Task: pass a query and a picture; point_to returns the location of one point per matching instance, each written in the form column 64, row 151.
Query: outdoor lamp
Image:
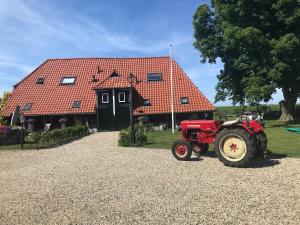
column 22, row 119
column 131, row 78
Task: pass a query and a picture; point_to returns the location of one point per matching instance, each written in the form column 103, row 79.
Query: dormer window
column 68, row 80
column 27, row 106
column 114, row 74
column 154, row 77
column 184, row 100
column 76, row 104
column 40, row 80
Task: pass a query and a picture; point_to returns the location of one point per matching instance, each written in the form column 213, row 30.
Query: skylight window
column 184, row 100
column 40, row 80
column 146, row 102
column 68, row 80
column 154, row 77
column 76, row 104
column 27, row 106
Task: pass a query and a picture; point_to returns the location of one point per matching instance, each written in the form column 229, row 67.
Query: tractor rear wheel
column 235, row 147
column 182, row 150
column 262, row 143
column 200, row 148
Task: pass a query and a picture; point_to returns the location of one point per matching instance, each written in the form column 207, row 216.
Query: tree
column 259, row 44
column 3, row 103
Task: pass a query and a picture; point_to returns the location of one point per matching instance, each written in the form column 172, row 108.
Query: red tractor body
column 202, row 131
column 236, row 142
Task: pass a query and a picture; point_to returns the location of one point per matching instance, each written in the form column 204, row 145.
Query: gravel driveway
column 92, row 181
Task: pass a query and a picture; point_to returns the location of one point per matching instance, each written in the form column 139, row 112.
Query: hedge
column 59, row 136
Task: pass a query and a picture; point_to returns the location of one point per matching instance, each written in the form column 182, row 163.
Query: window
column 154, row 77
column 146, row 102
column 105, row 98
column 76, row 104
column 68, row 80
column 27, row 106
column 184, row 100
column 40, row 80
column 121, row 97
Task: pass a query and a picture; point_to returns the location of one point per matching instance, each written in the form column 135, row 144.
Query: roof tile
column 51, row 98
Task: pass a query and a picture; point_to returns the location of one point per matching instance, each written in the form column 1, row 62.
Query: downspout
column 114, row 102
column 97, row 113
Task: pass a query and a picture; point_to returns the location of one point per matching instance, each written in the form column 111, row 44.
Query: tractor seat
column 231, row 122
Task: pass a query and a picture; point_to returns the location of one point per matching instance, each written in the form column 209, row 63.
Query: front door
column 113, row 109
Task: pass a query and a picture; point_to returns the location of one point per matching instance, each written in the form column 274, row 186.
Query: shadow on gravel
column 266, row 162
column 211, row 154
column 195, row 159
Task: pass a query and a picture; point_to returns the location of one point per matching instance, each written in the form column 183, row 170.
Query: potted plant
column 63, row 122
column 30, row 123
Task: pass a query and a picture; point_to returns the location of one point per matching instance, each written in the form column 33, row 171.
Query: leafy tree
column 3, row 101
column 259, row 44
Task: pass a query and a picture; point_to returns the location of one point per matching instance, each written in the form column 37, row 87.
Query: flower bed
column 9, row 136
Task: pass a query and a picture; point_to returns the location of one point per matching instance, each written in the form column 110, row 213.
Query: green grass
column 280, row 141
column 17, row 147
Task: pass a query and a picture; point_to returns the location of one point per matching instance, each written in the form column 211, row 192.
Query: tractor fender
column 235, row 126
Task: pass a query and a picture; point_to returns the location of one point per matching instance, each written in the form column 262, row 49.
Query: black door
column 113, row 109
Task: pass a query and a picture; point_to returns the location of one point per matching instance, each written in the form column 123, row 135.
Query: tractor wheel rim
column 233, row 147
column 181, row 150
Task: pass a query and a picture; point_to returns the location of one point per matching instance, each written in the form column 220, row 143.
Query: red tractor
column 236, row 143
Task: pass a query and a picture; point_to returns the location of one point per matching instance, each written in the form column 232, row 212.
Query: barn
column 98, row 92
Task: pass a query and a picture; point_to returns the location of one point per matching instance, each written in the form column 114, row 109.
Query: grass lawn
column 17, row 147
column 280, row 141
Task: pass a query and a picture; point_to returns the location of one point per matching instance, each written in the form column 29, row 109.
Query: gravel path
column 92, row 181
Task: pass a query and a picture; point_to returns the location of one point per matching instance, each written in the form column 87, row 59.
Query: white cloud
column 48, row 27
column 15, row 63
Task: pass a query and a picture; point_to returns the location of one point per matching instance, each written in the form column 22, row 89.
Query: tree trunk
column 288, row 105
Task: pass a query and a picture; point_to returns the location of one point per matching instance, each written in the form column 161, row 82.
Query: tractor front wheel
column 182, row 150
column 235, row 147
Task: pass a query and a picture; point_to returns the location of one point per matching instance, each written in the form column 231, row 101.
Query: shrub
column 58, row 136
column 124, row 138
column 2, row 121
column 140, row 136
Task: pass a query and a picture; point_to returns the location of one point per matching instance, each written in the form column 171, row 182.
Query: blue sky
column 32, row 31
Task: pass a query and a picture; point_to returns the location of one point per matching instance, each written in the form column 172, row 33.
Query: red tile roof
column 52, row 98
column 113, row 82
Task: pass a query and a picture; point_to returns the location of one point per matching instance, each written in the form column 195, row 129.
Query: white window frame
column 107, row 95
column 184, row 100
column 119, row 96
column 68, row 80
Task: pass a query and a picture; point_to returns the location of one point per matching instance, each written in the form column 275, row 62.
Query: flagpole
column 172, row 90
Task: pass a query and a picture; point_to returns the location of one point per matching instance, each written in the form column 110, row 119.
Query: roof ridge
column 76, row 58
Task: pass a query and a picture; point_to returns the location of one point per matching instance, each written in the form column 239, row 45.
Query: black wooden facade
column 113, row 108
